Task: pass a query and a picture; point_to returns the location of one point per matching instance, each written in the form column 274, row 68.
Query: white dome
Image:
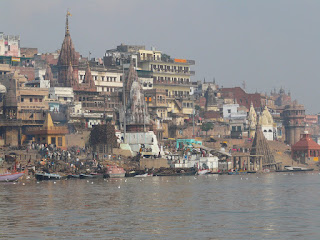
column 3, row 89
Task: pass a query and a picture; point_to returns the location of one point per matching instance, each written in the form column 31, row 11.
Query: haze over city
column 267, row 44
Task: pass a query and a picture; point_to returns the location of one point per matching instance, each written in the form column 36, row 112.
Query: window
column 31, row 100
column 40, row 99
column 59, row 141
column 22, row 99
column 229, row 110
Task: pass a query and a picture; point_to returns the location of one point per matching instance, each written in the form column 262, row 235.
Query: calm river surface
column 258, row 206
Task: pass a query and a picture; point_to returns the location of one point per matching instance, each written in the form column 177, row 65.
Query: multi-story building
column 9, row 45
column 172, row 75
column 106, row 80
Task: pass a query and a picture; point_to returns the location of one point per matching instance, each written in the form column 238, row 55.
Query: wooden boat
column 181, row 173
column 10, row 177
column 71, row 176
column 91, row 175
column 115, row 172
column 144, row 175
column 237, row 172
column 47, row 176
column 295, row 169
column 203, row 172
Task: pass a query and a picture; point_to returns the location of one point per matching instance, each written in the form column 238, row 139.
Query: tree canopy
column 103, row 134
column 207, row 126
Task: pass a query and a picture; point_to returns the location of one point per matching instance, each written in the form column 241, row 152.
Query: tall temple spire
column 67, row 23
column 131, row 77
column 67, row 55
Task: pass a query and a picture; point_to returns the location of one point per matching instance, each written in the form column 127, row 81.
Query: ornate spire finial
column 67, row 22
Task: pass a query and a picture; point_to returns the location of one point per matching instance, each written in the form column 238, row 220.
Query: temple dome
column 252, row 117
column 266, row 118
column 3, row 89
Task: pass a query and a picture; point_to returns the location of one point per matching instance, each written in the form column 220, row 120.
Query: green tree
column 207, row 126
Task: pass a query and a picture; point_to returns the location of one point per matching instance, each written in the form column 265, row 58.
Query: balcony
column 171, row 83
column 173, row 72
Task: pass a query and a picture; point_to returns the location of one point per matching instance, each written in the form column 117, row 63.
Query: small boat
column 144, row 175
column 91, row 175
column 237, row 172
column 295, row 169
column 10, row 177
column 70, row 176
column 47, row 176
column 203, row 172
column 180, row 173
column 115, row 172
column 84, row 176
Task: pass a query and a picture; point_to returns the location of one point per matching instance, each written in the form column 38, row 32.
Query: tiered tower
column 211, row 102
column 260, row 149
column 137, row 115
column 294, row 124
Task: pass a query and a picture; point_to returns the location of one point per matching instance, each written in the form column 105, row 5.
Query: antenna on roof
column 244, row 85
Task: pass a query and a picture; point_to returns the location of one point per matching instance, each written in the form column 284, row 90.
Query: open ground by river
column 257, row 206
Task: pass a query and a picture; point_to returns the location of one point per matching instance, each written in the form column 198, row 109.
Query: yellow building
column 49, row 134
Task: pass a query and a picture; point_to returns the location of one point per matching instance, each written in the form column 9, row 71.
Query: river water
column 257, row 206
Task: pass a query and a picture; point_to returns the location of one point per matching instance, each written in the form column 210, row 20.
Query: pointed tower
column 211, row 102
column 48, row 75
column 71, row 76
column 252, row 119
column 260, row 150
column 67, row 55
column 88, row 77
column 131, row 77
column 137, row 115
column 48, row 123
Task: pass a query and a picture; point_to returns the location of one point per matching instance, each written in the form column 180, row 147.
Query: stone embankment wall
column 153, row 163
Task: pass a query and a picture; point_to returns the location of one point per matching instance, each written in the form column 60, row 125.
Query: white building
column 105, row 81
column 231, row 111
column 211, row 163
column 9, row 45
column 144, row 142
column 61, row 94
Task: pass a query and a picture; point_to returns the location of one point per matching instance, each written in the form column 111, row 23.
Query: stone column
column 260, row 162
column 255, row 163
column 248, row 163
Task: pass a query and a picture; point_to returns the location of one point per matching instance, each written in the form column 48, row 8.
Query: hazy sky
column 268, row 44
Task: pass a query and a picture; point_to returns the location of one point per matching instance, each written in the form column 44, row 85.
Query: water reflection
column 270, row 206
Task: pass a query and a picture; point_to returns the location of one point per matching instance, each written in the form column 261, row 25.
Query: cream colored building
column 171, row 76
column 105, row 80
